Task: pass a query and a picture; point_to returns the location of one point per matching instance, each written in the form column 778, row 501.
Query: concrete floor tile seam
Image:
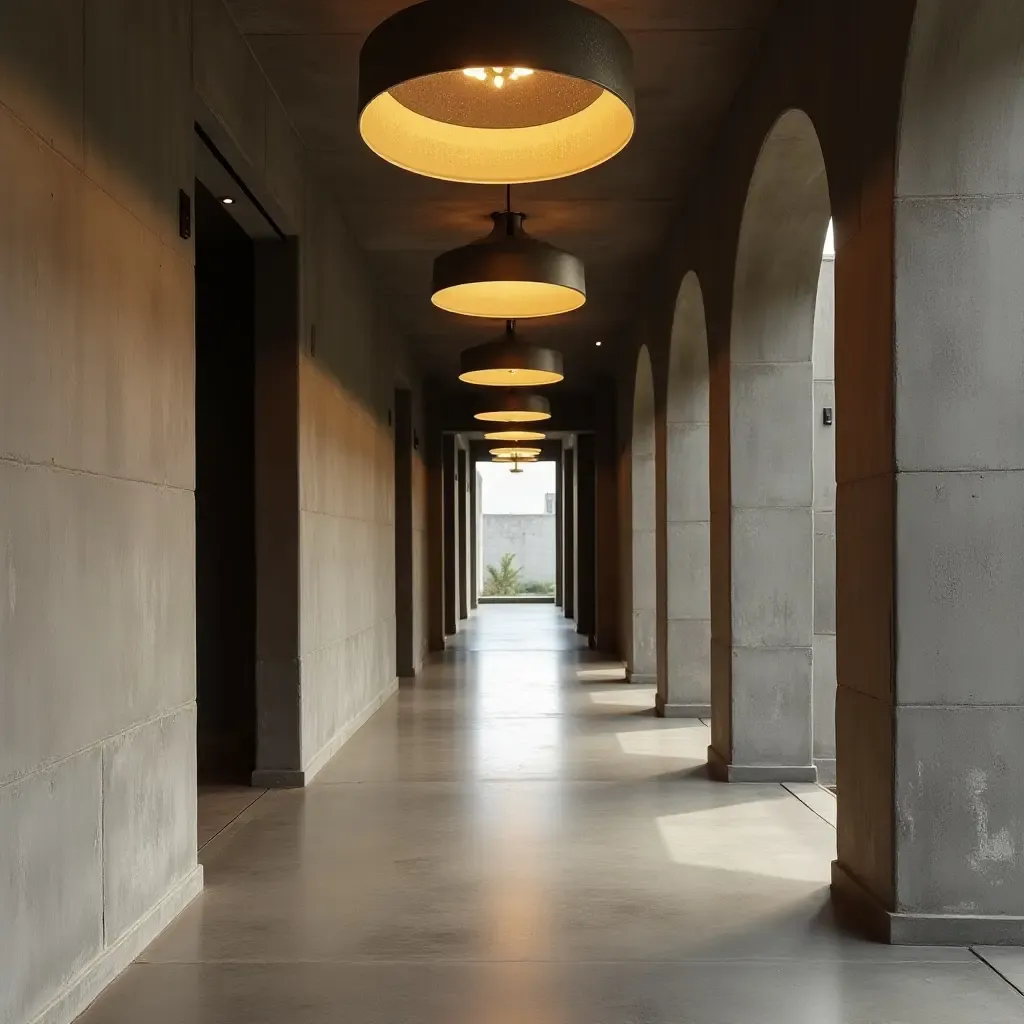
column 245, row 815
column 801, row 957
column 797, row 796
column 995, row 970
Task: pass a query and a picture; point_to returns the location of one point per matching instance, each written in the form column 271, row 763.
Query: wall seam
column 45, row 766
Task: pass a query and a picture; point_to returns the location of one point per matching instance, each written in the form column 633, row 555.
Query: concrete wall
column 97, row 625
column 531, row 538
column 97, row 629
column 346, row 474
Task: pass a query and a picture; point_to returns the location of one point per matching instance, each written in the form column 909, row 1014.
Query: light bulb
column 498, row 71
column 498, row 81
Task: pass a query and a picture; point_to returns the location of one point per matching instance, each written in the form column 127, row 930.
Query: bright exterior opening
column 516, row 531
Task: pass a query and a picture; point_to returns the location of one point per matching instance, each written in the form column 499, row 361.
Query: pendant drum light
column 514, row 435
column 515, row 453
column 508, row 275
column 488, row 92
column 511, row 363
column 517, row 406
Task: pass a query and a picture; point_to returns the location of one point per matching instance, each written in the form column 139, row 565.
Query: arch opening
column 685, row 686
column 763, row 652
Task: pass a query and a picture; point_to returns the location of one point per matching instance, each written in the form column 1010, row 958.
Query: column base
column 641, row 679
column 722, row 771
column 826, row 770
column 667, row 710
column 859, row 907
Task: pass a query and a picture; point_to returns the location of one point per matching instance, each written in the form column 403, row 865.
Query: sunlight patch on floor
column 627, row 697
column 688, row 743
column 610, row 673
column 756, row 837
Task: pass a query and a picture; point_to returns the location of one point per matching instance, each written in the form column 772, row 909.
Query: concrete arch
column 643, row 666
column 948, row 714
column 684, row 687
column 762, row 656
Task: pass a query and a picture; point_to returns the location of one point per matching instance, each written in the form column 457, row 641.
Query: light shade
column 517, row 406
column 510, row 363
column 515, row 453
column 515, row 435
column 508, row 275
column 496, row 92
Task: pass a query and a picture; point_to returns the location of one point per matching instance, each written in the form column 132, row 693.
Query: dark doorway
column 225, row 496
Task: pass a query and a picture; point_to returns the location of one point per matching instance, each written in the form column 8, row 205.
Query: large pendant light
column 515, row 453
column 511, row 363
column 514, row 435
column 516, row 406
column 490, row 92
column 508, row 275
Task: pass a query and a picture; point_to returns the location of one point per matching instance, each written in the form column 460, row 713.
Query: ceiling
column 690, row 55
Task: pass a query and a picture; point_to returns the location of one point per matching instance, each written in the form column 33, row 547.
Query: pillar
column 404, row 596
column 474, row 535
column 559, row 539
column 608, row 595
column 450, row 530
column 462, row 506
column 586, row 537
column 569, row 533
column 435, row 535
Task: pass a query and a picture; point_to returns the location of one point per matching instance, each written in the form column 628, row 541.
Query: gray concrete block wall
column 531, row 538
column 97, row 650
column 97, row 629
column 346, row 484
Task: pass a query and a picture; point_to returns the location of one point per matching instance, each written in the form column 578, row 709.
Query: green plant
column 504, row 580
column 538, row 588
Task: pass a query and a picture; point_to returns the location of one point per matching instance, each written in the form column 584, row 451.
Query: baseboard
column 641, row 679
column 724, row 771
column 859, row 907
column 826, row 770
column 666, row 710
column 298, row 778
column 84, row 988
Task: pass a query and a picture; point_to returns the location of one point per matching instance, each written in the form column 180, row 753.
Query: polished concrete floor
column 516, row 839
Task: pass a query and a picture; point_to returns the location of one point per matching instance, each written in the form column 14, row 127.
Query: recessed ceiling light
column 598, row 343
column 227, row 200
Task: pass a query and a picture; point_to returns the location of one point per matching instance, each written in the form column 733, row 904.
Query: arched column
column 684, row 687
column 764, row 664
column 643, row 666
column 931, row 697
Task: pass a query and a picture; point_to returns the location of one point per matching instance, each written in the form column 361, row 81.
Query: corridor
column 516, row 838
